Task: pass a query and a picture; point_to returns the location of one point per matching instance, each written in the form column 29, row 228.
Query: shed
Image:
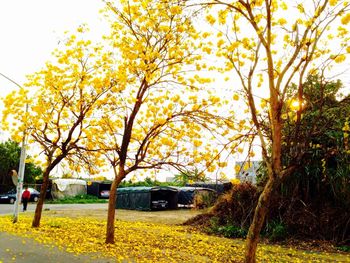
column 187, row 194
column 62, row 188
column 96, row 187
column 218, row 187
column 147, row 198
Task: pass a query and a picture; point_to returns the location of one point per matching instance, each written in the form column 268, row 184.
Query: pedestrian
column 25, row 198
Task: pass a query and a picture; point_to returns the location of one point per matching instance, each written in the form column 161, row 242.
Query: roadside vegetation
column 9, row 160
column 149, row 182
column 312, row 205
column 287, row 223
column 79, row 199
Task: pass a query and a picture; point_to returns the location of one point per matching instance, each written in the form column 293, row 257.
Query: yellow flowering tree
column 269, row 44
column 62, row 99
column 156, row 116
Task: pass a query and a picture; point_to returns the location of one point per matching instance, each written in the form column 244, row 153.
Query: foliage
column 323, row 172
column 204, row 200
column 32, row 172
column 185, row 177
column 67, row 176
column 153, row 126
column 79, row 199
column 63, row 98
column 146, row 123
column 230, row 231
column 10, row 153
column 344, row 248
column 236, row 207
column 125, row 107
column 289, row 216
column 321, row 179
column 275, row 230
column 265, row 52
column 147, row 182
column 9, row 160
column 150, row 242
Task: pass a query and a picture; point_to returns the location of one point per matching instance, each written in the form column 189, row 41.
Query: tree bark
column 258, row 220
column 39, row 205
column 111, row 206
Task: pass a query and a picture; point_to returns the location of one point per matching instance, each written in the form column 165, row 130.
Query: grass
column 79, row 199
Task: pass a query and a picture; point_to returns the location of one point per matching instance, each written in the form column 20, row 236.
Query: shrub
column 204, row 200
column 289, row 216
column 276, row 230
column 232, row 231
column 237, row 206
column 344, row 248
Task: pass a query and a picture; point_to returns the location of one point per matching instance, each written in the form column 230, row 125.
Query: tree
column 147, row 122
column 62, row 99
column 185, row 177
column 323, row 173
column 9, row 160
column 262, row 46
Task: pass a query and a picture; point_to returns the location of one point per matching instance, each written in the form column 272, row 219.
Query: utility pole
column 21, row 163
column 20, row 175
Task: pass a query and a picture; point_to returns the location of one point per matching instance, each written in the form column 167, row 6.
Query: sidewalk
column 26, row 250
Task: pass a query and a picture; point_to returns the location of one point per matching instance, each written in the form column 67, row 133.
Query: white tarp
column 62, row 184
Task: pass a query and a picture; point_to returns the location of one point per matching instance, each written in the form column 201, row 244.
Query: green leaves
column 9, row 160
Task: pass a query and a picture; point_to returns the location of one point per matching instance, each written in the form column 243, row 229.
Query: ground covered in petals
column 147, row 242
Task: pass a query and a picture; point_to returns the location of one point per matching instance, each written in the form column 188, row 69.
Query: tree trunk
column 111, row 206
column 258, row 220
column 39, row 206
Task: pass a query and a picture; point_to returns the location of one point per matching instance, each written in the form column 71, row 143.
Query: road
column 7, row 209
column 22, row 250
column 25, row 250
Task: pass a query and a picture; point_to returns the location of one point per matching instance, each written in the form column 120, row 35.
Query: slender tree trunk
column 258, row 220
column 111, row 206
column 122, row 157
column 39, row 205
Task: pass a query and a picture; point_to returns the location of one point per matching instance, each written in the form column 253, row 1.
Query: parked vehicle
column 104, row 194
column 10, row 196
column 159, row 204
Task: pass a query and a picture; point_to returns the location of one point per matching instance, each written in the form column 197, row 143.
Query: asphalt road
column 8, row 209
column 25, row 250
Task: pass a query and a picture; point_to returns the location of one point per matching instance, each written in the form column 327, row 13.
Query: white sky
column 30, row 31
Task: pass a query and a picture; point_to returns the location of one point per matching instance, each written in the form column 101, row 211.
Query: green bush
column 147, row 182
column 214, row 224
column 344, row 248
column 230, row 231
column 233, row 231
column 276, row 231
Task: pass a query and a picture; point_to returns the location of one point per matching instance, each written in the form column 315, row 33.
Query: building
column 248, row 171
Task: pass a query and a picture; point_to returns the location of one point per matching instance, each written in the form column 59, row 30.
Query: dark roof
column 144, row 189
column 194, row 188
